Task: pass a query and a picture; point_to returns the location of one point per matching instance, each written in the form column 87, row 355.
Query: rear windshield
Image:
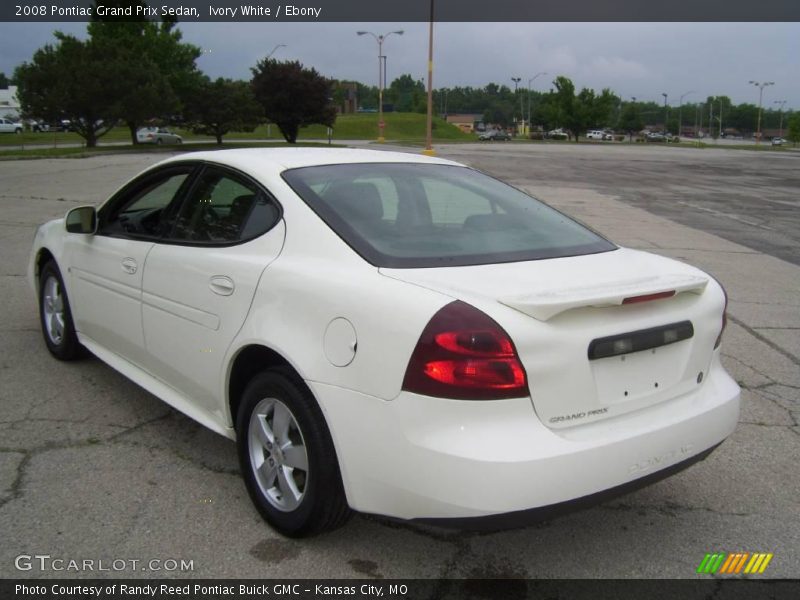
column 421, row 215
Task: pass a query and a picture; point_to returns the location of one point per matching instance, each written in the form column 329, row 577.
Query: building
column 349, row 104
column 466, row 122
column 9, row 104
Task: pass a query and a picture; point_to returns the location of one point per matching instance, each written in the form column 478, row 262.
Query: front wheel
column 56, row 317
column 287, row 456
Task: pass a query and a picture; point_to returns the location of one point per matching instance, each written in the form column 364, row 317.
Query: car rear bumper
column 417, row 457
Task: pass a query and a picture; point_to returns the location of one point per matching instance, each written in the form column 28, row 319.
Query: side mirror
column 81, row 220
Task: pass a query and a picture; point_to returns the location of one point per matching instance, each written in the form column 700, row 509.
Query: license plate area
column 640, row 364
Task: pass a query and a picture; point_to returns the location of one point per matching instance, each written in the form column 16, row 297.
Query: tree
column 72, row 80
column 4, row 81
column 631, row 120
column 793, row 133
column 155, row 69
column 407, row 94
column 223, row 105
column 292, row 96
column 587, row 109
column 500, row 112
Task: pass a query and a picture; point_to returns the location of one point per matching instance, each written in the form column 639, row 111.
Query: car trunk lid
column 649, row 315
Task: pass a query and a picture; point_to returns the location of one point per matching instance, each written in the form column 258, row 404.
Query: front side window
column 423, row 215
column 222, row 208
column 145, row 212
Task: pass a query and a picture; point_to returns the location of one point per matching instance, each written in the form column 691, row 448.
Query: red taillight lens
column 724, row 318
column 464, row 354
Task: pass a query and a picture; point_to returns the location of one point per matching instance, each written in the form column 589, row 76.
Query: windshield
column 426, row 215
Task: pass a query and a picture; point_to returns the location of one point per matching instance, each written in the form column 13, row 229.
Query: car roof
column 256, row 160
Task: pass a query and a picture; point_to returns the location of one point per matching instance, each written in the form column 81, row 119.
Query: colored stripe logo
column 734, row 563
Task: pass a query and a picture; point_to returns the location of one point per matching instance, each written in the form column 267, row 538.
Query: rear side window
column 422, row 215
column 222, row 208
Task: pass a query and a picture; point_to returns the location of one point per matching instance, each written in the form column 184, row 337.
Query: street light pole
column 380, row 39
column 680, row 112
column 666, row 129
column 760, row 87
column 782, row 103
column 530, row 81
column 274, row 49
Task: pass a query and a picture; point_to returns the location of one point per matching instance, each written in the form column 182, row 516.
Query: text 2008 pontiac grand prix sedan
column 391, row 333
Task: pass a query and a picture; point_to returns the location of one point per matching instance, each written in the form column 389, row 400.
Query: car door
column 198, row 285
column 105, row 269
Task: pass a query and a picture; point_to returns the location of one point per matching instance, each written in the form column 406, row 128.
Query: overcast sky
column 633, row 59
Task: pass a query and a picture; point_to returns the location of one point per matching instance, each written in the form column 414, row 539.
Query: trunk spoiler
column 545, row 304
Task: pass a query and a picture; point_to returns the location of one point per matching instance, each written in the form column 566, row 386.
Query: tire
column 55, row 316
column 159, row 141
column 296, row 502
column 18, row 131
column 178, row 141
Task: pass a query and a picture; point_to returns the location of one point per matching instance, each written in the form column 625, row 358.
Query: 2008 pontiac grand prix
column 391, row 333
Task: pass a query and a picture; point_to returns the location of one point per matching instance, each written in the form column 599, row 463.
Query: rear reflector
column 648, row 297
column 636, row 341
column 464, row 354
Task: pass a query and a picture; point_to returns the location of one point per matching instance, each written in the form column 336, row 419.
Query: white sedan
column 158, row 136
column 391, row 333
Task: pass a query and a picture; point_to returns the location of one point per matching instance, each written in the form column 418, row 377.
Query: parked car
column 157, row 135
column 596, row 135
column 10, row 126
column 494, row 135
column 391, row 333
column 655, row 136
column 557, row 134
column 36, row 126
column 778, row 141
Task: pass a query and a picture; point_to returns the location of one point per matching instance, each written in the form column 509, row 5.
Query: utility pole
column 680, row 113
column 516, row 81
column 530, row 81
column 429, row 120
column 782, row 103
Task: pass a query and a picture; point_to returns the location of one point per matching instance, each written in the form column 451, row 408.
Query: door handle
column 129, row 265
column 222, row 285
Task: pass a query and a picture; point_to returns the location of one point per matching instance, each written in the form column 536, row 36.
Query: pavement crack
column 138, row 426
column 765, row 340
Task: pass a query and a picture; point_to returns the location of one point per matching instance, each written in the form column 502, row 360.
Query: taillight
column 724, row 318
column 464, row 354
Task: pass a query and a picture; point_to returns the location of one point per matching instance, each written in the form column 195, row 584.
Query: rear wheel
column 55, row 316
column 287, row 456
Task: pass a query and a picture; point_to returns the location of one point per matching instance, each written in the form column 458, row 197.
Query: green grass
column 40, row 152
column 362, row 126
column 399, row 127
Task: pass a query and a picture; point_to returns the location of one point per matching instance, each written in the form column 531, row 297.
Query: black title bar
column 397, row 589
column 188, row 11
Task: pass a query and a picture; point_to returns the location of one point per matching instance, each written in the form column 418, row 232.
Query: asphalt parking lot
column 93, row 467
